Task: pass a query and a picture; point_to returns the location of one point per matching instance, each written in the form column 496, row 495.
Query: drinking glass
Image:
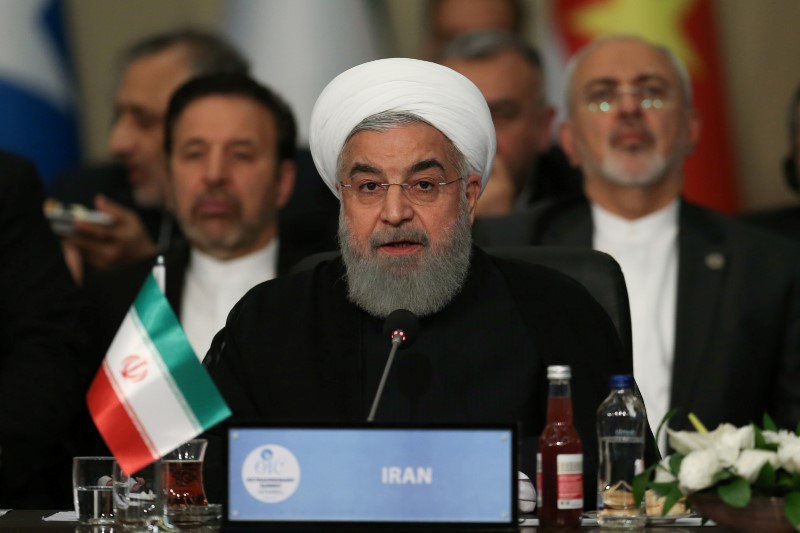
column 140, row 498
column 183, row 471
column 187, row 505
column 91, row 489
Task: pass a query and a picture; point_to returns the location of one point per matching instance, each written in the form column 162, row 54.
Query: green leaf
column 787, row 483
column 766, row 477
column 672, row 412
column 675, row 461
column 736, row 493
column 797, row 430
column 769, row 424
column 760, row 442
column 663, row 489
column 791, row 509
column 672, row 498
column 722, row 475
column 791, row 482
column 640, row 483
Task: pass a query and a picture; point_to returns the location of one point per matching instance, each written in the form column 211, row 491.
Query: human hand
column 74, row 261
column 499, row 195
column 123, row 241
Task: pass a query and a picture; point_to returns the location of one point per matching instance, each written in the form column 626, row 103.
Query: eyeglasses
column 419, row 191
column 607, row 98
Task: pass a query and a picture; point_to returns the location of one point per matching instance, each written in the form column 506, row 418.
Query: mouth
column 400, row 247
column 632, row 139
column 134, row 173
column 214, row 207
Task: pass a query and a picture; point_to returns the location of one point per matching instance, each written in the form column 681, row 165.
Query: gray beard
column 423, row 285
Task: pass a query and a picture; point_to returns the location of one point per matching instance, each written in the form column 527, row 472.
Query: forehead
column 463, row 16
column 505, row 72
column 624, row 62
column 400, row 145
column 153, row 78
column 225, row 116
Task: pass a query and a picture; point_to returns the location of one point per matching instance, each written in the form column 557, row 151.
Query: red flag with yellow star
column 688, row 28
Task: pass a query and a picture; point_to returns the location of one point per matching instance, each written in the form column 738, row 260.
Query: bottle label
column 539, row 480
column 569, row 471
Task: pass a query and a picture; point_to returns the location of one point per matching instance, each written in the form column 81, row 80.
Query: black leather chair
column 597, row 271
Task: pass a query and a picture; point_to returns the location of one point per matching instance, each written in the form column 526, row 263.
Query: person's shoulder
column 526, row 226
column 784, row 221
column 529, row 276
column 735, row 231
column 18, row 177
column 16, row 165
column 123, row 280
column 300, row 287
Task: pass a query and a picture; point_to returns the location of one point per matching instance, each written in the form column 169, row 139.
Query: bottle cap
column 559, row 372
column 621, row 381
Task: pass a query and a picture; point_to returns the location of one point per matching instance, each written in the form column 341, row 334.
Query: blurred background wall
column 758, row 41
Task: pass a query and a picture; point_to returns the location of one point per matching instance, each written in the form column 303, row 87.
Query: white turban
column 441, row 96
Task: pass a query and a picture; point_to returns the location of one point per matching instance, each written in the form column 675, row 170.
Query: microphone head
column 401, row 320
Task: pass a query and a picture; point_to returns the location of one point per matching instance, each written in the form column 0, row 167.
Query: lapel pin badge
column 715, row 261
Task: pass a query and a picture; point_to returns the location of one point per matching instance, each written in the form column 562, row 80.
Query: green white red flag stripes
column 151, row 393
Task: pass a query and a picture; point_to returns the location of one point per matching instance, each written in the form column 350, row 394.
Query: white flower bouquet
column 736, row 463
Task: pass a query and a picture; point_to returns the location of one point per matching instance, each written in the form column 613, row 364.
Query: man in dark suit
column 715, row 305
column 41, row 378
column 231, row 144
column 132, row 190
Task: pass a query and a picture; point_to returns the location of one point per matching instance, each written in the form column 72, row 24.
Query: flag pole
column 160, row 273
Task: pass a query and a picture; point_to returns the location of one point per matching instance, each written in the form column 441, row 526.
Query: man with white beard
column 407, row 147
column 715, row 305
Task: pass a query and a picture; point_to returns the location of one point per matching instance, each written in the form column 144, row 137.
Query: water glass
column 91, row 489
column 140, row 499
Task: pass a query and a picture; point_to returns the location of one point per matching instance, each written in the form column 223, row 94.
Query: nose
column 396, row 208
column 629, row 102
column 216, row 170
column 122, row 141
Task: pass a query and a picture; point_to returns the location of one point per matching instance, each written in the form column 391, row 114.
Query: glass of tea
column 183, row 474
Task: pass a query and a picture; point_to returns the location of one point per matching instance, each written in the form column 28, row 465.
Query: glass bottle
column 621, row 426
column 559, row 463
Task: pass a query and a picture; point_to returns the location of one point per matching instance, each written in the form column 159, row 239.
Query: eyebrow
column 201, row 141
column 420, row 166
column 641, row 78
column 362, row 168
column 426, row 164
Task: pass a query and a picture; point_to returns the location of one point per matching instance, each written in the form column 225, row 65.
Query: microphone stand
column 397, row 338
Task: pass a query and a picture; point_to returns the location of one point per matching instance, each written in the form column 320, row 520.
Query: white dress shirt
column 647, row 251
column 212, row 287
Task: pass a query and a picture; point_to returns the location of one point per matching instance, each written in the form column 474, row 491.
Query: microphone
column 401, row 327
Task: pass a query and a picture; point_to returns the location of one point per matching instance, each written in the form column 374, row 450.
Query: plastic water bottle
column 621, row 426
column 559, row 462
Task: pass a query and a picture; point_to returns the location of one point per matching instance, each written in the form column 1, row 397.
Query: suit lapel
column 702, row 266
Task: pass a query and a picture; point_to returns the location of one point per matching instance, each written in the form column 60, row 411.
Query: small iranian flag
column 151, row 394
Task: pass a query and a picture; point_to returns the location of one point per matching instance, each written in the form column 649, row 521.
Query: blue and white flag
column 36, row 92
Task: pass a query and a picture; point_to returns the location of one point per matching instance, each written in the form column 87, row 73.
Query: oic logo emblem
column 134, row 368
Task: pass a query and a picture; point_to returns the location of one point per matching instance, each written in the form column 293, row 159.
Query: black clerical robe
column 297, row 349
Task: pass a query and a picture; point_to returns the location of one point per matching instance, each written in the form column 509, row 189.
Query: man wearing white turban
column 407, row 146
